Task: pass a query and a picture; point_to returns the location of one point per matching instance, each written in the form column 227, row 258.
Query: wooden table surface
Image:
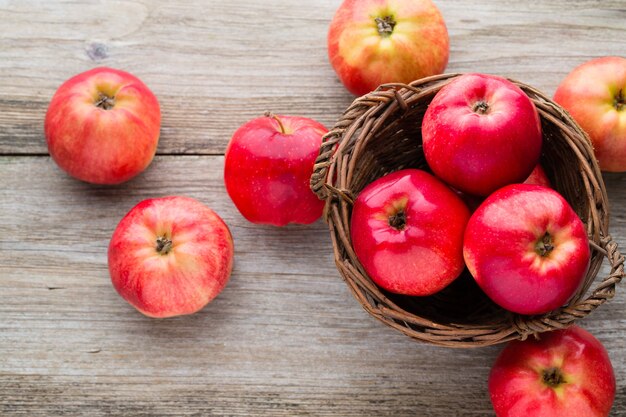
column 285, row 338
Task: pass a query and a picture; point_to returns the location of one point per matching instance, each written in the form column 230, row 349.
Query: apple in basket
column 481, row 132
column 407, row 232
column 537, row 176
column 527, row 249
column 102, row 126
column 170, row 256
column 267, row 168
column 372, row 42
column 595, row 95
column 563, row 373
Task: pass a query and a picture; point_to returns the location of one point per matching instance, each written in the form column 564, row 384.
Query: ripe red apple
column 564, row 373
column 595, row 95
column 102, row 126
column 372, row 42
column 268, row 164
column 170, row 256
column 407, row 232
column 527, row 249
column 480, row 133
column 538, row 177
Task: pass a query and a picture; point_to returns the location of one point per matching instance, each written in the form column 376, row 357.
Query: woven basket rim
column 361, row 122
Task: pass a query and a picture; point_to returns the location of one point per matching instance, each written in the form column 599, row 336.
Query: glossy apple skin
column 538, row 177
column 97, row 145
column 516, row 381
column 426, row 254
column 175, row 282
column 594, row 94
column 501, row 252
column 268, row 166
column 478, row 153
column 363, row 58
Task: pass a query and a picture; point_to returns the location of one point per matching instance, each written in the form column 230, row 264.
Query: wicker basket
column 381, row 133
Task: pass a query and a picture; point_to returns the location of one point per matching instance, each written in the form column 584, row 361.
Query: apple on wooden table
column 594, row 94
column 267, row 169
column 373, row 42
column 170, row 256
column 102, row 126
column 481, row 132
column 527, row 249
column 407, row 232
column 565, row 373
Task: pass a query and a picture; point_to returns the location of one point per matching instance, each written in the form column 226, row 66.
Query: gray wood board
column 284, row 338
column 214, row 65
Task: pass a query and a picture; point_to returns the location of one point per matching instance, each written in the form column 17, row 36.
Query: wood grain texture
column 285, row 338
column 214, row 65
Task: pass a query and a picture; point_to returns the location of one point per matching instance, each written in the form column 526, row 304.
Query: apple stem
column 385, row 26
column 163, row 245
column 398, row 220
column 552, row 377
column 620, row 101
column 280, row 124
column 545, row 245
column 481, row 107
column 105, row 102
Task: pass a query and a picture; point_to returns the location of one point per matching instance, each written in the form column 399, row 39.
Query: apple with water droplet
column 562, row 373
column 102, row 126
column 527, row 249
column 480, row 133
column 407, row 232
column 594, row 93
column 373, row 42
column 170, row 256
column 267, row 169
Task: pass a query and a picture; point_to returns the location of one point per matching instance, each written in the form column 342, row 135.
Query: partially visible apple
column 372, row 42
column 267, row 168
column 170, row 256
column 407, row 232
column 595, row 95
column 480, row 133
column 564, row 373
column 538, row 177
column 527, row 249
column 102, row 126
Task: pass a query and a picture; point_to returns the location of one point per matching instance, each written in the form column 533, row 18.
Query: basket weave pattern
column 381, row 133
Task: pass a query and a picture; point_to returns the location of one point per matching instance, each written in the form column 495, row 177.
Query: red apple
column 480, row 133
column 268, row 165
column 407, row 232
column 170, row 256
column 595, row 95
column 538, row 177
column 102, row 126
column 372, row 42
column 527, row 249
column 564, row 373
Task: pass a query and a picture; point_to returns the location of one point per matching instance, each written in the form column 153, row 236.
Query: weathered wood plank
column 285, row 337
column 214, row 65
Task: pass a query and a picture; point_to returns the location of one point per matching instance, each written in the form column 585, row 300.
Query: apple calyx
column 619, row 102
column 552, row 377
column 163, row 245
column 104, row 101
column 385, row 25
column 545, row 245
column 398, row 220
column 480, row 107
